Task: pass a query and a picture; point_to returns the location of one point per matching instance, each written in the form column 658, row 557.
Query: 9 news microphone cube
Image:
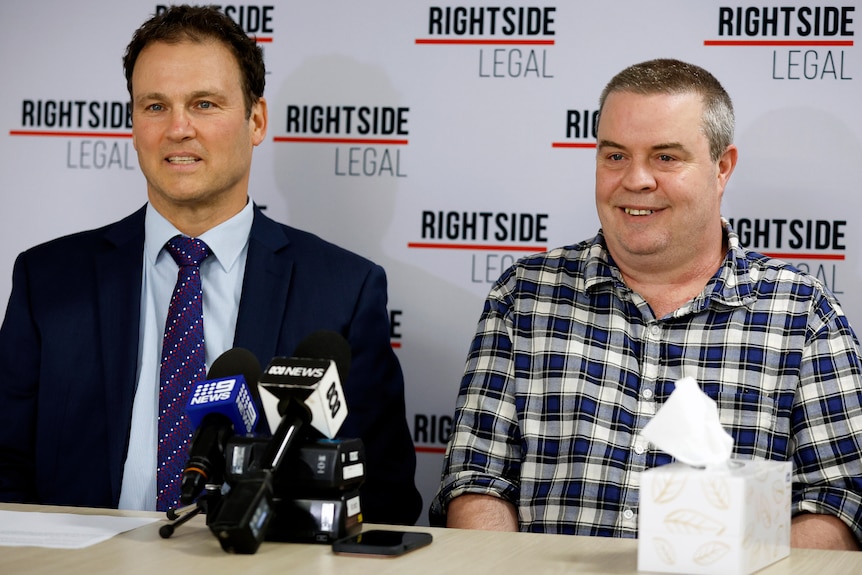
column 227, row 396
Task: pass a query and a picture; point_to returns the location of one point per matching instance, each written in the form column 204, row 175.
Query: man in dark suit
column 81, row 341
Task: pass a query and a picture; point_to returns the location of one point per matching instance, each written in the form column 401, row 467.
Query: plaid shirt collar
column 733, row 284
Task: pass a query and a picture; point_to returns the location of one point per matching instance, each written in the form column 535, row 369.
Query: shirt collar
column 600, row 268
column 732, row 285
column 226, row 241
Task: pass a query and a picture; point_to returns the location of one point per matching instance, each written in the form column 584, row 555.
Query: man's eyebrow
column 663, row 146
column 150, row 96
column 669, row 146
column 193, row 95
column 609, row 144
column 206, row 94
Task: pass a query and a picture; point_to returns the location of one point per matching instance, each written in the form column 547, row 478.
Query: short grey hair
column 668, row 76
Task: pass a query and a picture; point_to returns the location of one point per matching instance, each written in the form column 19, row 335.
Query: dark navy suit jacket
column 69, row 354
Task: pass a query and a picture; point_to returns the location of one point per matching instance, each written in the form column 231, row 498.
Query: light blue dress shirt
column 221, row 274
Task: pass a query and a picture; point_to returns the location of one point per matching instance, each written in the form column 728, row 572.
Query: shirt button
column 647, row 393
column 628, row 513
column 655, row 330
column 639, row 449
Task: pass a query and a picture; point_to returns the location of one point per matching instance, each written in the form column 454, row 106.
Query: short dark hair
column 668, row 76
column 198, row 24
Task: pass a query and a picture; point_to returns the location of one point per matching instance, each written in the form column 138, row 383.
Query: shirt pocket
column 749, row 415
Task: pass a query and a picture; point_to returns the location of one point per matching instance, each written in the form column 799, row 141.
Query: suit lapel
column 264, row 289
column 119, row 273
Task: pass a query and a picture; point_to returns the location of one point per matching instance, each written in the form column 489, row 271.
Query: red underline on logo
column 263, row 40
column 423, row 449
column 476, row 247
column 778, row 42
column 793, row 256
column 572, row 145
column 298, row 140
column 396, row 345
column 484, row 42
column 70, row 134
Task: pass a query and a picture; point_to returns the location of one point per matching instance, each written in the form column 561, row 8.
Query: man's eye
column 206, row 105
column 155, row 107
column 616, row 157
column 665, row 158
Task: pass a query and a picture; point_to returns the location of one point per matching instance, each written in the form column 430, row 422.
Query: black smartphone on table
column 381, row 543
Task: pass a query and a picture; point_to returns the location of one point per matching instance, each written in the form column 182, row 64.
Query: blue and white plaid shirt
column 568, row 365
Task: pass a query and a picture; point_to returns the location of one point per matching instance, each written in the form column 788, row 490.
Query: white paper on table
column 62, row 530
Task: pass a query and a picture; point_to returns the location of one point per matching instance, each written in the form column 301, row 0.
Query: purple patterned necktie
column 183, row 363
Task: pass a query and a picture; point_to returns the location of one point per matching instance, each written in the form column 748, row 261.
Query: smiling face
column 191, row 131
column 658, row 193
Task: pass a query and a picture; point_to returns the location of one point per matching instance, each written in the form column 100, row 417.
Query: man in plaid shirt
column 577, row 348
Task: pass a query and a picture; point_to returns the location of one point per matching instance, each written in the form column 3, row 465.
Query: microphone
column 219, row 407
column 296, row 392
column 305, row 389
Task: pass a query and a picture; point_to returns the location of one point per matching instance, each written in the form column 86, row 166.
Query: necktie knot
column 187, row 251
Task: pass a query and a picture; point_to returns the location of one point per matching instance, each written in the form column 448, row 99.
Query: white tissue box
column 730, row 520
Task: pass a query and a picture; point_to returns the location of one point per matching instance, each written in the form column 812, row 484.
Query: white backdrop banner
column 445, row 140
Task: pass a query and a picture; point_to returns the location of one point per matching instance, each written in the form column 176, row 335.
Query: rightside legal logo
column 807, row 42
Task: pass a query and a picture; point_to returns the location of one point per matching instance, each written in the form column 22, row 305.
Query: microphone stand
column 180, row 515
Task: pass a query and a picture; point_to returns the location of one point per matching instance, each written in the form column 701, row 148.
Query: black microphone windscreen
column 326, row 344
column 238, row 361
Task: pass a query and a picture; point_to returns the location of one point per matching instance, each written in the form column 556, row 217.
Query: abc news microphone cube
column 228, row 396
column 314, row 382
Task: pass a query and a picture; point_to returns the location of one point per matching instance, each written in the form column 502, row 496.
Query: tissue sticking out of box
column 687, row 427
